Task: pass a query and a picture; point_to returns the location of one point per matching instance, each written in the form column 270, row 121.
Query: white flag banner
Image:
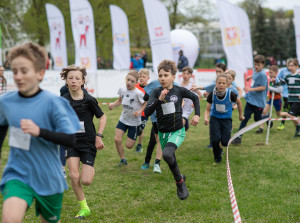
column 236, row 39
column 82, row 20
column 297, row 29
column 186, row 41
column 159, row 31
column 57, row 32
column 120, row 33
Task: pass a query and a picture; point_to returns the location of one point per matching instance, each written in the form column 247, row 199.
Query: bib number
column 220, row 108
column 82, row 129
column 19, row 139
column 168, row 108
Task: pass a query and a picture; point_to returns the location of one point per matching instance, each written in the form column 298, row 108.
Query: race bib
column 221, row 108
column 252, row 83
column 291, row 80
column 18, row 139
column 168, row 108
column 82, row 129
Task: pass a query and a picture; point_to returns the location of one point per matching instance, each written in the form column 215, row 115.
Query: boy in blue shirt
column 38, row 120
column 256, row 96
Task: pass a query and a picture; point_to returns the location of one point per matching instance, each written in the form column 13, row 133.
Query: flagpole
column 269, row 123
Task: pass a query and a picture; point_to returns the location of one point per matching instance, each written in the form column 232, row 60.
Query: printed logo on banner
column 232, row 36
column 158, row 31
column 120, row 38
column 177, row 46
column 58, row 61
column 85, row 61
column 82, row 25
column 56, row 30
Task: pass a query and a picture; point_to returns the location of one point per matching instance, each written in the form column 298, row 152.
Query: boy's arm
column 206, row 114
column 197, row 91
column 138, row 112
column 102, row 123
column 240, row 90
column 115, row 104
column 188, row 94
column 153, row 102
column 260, row 88
column 240, row 109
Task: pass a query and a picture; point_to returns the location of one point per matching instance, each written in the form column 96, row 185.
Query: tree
column 260, row 43
column 290, row 39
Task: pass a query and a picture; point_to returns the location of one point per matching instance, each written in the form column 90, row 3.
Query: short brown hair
column 222, row 75
column 144, row 71
column 188, row 69
column 221, row 65
column 65, row 71
column 274, row 68
column 33, row 52
column 168, row 66
column 134, row 73
column 259, row 59
column 231, row 72
column 294, row 61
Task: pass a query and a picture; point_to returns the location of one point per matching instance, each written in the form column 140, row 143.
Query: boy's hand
column 163, row 94
column 206, row 121
column 205, row 94
column 273, row 80
column 241, row 117
column 28, row 126
column 195, row 120
column 194, row 88
column 247, row 89
column 111, row 106
column 99, row 143
column 136, row 114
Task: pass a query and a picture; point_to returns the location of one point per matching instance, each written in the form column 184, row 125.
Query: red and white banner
column 82, row 20
column 120, row 33
column 236, row 39
column 297, row 29
column 57, row 32
column 159, row 31
column 186, row 41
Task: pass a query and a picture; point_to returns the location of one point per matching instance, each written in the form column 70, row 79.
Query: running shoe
column 182, row 191
column 259, row 131
column 237, row 141
column 156, row 169
column 281, row 127
column 138, row 148
column 145, row 166
column 83, row 213
column 123, row 162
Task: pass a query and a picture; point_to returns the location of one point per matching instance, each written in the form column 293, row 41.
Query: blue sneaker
column 209, row 146
column 145, row 166
column 123, row 162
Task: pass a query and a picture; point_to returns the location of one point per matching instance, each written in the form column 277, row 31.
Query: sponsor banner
column 297, row 29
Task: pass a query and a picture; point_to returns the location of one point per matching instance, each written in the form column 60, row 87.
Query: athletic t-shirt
column 169, row 111
column 132, row 100
column 85, row 109
column 39, row 166
column 281, row 75
column 187, row 108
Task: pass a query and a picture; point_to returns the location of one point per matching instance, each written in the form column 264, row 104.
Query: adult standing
column 182, row 61
column 144, row 57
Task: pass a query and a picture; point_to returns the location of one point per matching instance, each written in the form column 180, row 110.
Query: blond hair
column 135, row 74
column 144, row 71
column 232, row 73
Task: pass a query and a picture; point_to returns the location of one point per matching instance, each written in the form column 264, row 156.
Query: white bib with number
column 168, row 108
column 82, row 129
column 221, row 108
column 19, row 139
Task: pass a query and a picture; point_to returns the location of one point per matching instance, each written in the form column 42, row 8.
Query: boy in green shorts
column 38, row 120
column 167, row 101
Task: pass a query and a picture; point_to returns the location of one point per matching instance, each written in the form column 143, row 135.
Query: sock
column 83, row 204
column 157, row 161
column 139, row 145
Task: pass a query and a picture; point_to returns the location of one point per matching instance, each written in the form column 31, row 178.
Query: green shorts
column 48, row 206
column 176, row 137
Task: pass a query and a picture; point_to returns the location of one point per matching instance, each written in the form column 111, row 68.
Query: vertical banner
column 159, row 31
column 82, row 20
column 57, row 32
column 120, row 34
column 186, row 41
column 297, row 29
column 0, row 47
column 236, row 39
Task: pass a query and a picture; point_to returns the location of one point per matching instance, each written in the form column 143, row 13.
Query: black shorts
column 85, row 157
column 187, row 125
column 286, row 105
column 294, row 108
column 132, row 130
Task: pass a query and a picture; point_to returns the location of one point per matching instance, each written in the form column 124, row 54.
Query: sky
column 273, row 4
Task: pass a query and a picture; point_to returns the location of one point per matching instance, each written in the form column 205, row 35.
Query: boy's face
column 26, row 77
column 219, row 71
column 165, row 78
column 272, row 74
column 143, row 79
column 130, row 82
column 186, row 75
column 221, row 84
column 258, row 66
column 229, row 79
column 74, row 80
column 292, row 67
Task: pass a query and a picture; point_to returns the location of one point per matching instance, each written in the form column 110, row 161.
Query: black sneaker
column 182, row 191
column 271, row 125
column 259, row 131
column 237, row 141
column 297, row 133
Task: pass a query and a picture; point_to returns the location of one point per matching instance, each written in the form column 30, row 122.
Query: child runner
column 187, row 108
column 143, row 81
column 167, row 101
column 277, row 98
column 256, row 96
column 219, row 108
column 293, row 82
column 88, row 142
column 38, row 121
column 3, row 129
column 132, row 100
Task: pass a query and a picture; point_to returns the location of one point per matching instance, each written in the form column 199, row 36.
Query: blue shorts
column 132, row 130
column 276, row 104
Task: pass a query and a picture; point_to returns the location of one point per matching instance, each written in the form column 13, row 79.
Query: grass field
column 266, row 180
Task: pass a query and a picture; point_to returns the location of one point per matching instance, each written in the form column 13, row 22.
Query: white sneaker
column 156, row 169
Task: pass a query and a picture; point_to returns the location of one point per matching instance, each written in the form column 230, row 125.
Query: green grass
column 265, row 178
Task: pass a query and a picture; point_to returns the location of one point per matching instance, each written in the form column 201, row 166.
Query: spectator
column 182, row 61
column 138, row 62
column 144, row 57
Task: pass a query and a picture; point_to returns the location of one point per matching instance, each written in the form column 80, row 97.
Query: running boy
column 38, row 121
column 166, row 101
column 88, row 142
column 143, row 81
column 256, row 96
column 3, row 84
column 219, row 108
column 132, row 100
